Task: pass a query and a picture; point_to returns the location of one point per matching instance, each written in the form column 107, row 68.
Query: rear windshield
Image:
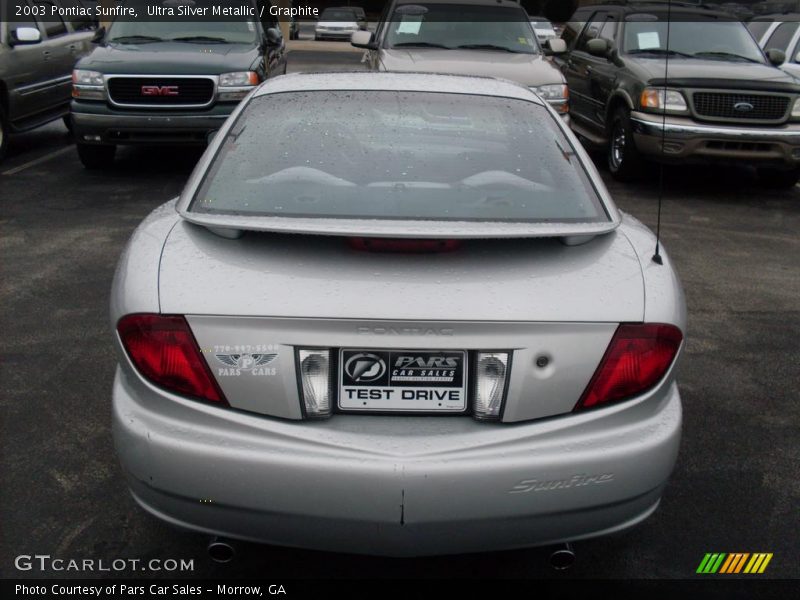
column 398, row 155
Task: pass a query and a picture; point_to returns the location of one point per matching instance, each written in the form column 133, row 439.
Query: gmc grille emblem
column 160, row 90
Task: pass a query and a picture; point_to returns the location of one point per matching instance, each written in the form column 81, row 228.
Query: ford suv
column 168, row 82
column 711, row 95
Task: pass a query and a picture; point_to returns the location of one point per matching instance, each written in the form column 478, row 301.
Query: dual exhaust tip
column 563, row 557
column 223, row 551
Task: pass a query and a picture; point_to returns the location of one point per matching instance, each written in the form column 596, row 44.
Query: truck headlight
column 663, row 100
column 88, row 85
column 557, row 95
column 796, row 109
column 236, row 85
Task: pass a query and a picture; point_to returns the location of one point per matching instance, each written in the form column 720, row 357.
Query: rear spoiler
column 234, row 226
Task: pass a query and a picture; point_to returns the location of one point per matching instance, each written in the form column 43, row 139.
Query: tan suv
column 490, row 38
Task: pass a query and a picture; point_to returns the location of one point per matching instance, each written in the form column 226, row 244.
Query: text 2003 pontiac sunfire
column 396, row 314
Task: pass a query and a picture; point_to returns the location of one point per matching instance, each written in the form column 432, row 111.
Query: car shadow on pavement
column 157, row 160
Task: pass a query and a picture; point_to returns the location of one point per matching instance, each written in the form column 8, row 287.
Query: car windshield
column 136, row 32
column 398, row 155
column 716, row 40
column 463, row 27
column 337, row 14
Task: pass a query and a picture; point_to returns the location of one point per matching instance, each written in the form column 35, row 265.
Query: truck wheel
column 68, row 123
column 96, row 157
column 624, row 159
column 779, row 179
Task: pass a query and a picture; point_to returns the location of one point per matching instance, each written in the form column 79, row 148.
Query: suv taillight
column 164, row 350
column 636, row 359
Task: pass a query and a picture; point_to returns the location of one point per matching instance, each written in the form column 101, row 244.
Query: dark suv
column 168, row 82
column 721, row 98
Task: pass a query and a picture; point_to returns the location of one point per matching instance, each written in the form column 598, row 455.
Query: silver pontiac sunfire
column 396, row 314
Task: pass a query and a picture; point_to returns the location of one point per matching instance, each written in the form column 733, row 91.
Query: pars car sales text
column 139, row 590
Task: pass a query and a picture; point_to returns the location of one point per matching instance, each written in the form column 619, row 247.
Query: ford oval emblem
column 743, row 107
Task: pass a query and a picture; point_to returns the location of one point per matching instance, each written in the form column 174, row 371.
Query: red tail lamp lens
column 164, row 350
column 636, row 359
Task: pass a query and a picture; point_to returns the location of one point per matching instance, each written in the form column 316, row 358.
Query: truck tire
column 779, row 179
column 68, row 123
column 96, row 156
column 624, row 159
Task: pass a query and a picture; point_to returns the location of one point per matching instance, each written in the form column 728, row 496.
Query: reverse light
column 663, row 100
column 236, row 85
column 164, row 351
column 637, row 358
column 314, row 369
column 491, row 371
column 88, row 85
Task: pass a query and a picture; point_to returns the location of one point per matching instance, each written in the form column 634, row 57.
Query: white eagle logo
column 245, row 362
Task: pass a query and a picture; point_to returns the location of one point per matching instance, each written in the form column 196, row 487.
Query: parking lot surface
column 735, row 487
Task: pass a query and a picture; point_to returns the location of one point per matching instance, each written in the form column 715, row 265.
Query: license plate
column 403, row 380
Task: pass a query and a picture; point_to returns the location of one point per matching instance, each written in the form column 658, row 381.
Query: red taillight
column 164, row 350
column 636, row 359
column 402, row 245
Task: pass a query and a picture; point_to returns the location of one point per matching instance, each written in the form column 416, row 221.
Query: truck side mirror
column 25, row 35
column 274, row 37
column 363, row 39
column 597, row 47
column 776, row 57
column 555, row 46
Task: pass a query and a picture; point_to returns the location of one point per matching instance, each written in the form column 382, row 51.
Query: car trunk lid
column 265, row 295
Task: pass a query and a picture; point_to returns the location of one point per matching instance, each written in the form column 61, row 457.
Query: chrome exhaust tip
column 563, row 557
column 221, row 550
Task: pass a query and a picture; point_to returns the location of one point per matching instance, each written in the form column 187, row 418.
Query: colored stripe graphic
column 758, row 563
column 733, row 563
column 711, row 563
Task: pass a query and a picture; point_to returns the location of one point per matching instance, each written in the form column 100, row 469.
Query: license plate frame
column 411, row 381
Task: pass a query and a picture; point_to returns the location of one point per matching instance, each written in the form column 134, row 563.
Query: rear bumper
column 688, row 141
column 399, row 486
column 97, row 124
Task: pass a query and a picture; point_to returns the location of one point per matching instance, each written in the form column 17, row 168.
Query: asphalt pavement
column 735, row 488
